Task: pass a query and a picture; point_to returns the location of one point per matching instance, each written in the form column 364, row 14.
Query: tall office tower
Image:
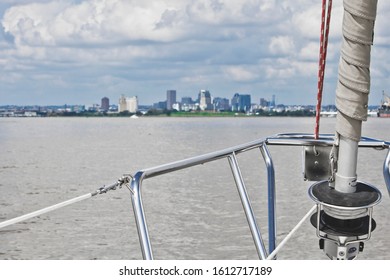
column 273, row 100
column 241, row 102
column 235, row 102
column 244, row 102
column 171, row 98
column 105, row 104
column 122, row 105
column 205, row 100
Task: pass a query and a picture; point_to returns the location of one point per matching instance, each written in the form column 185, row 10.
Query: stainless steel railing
column 230, row 154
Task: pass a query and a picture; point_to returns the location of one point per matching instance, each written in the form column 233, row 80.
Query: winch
column 343, row 220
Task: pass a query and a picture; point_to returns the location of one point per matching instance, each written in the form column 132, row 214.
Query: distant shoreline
column 166, row 114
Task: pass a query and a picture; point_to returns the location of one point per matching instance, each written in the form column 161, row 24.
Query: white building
column 205, row 100
column 128, row 104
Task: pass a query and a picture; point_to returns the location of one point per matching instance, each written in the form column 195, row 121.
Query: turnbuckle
column 122, row 181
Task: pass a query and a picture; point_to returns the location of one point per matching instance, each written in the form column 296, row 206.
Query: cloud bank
column 68, row 51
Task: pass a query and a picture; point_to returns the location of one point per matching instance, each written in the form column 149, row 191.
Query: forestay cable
column 123, row 180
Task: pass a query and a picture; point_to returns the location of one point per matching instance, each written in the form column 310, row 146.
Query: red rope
column 325, row 25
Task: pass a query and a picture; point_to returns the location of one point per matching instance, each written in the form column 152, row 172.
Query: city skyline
column 57, row 52
column 262, row 101
column 178, row 100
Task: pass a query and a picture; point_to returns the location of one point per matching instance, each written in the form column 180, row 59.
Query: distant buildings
column 273, row 103
column 263, row 102
column 205, row 100
column 105, row 104
column 187, row 100
column 162, row 105
column 129, row 104
column 171, row 99
column 187, row 104
column 221, row 104
column 241, row 103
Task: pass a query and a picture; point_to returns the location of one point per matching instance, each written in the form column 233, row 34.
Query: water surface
column 192, row 214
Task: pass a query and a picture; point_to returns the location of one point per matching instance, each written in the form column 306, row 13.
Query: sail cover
column 354, row 67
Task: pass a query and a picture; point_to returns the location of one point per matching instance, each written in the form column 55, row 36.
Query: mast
column 345, row 205
column 353, row 87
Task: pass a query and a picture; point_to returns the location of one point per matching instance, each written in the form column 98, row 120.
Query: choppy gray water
column 192, row 214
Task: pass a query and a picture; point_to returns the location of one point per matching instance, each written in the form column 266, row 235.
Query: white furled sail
column 353, row 86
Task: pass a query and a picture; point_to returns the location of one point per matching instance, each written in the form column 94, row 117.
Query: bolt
column 341, row 253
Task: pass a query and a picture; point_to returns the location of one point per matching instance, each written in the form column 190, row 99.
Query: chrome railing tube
column 139, row 215
column 201, row 159
column 386, row 171
column 288, row 139
column 261, row 251
column 271, row 197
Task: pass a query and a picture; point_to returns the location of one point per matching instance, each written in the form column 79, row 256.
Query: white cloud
column 172, row 42
column 288, row 68
column 89, row 22
column 282, row 45
column 240, row 73
column 310, row 51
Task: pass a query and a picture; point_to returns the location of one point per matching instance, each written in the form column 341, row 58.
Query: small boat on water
column 384, row 109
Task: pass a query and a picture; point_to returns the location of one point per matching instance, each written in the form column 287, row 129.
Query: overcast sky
column 78, row 51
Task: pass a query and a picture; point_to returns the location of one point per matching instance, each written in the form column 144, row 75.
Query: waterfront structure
column 105, row 104
column 129, row 104
column 205, row 100
column 171, row 99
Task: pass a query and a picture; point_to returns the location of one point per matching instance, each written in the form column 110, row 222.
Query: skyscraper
column 245, row 102
column 205, row 100
column 122, row 106
column 241, row 102
column 235, row 102
column 105, row 104
column 171, row 98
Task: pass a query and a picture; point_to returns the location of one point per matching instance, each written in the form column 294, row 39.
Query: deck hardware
column 343, row 221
